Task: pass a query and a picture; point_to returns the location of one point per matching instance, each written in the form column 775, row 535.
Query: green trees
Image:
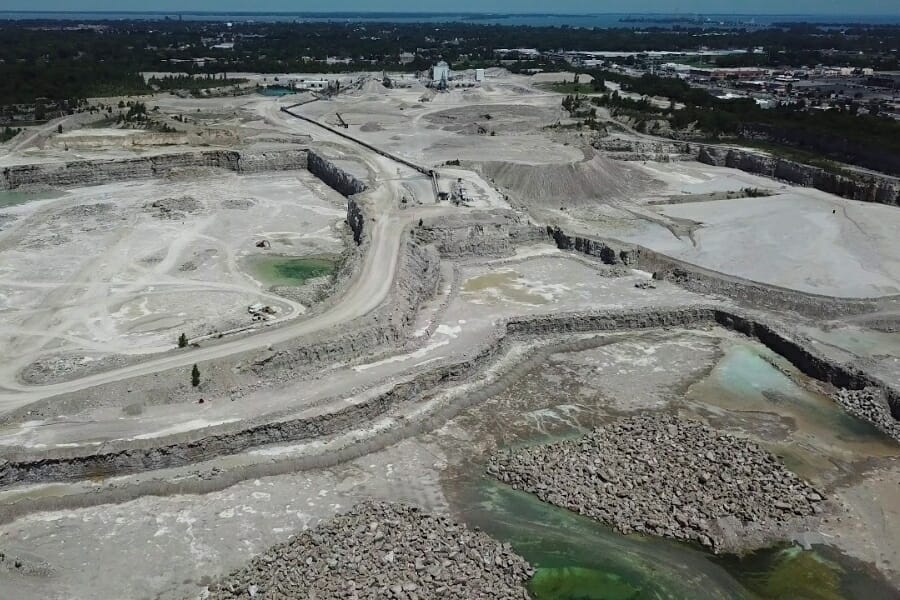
column 195, row 376
column 182, row 340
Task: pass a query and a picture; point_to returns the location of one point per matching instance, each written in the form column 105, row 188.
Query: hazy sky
column 881, row 7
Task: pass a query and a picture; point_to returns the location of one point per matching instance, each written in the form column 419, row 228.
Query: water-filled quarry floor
column 558, row 392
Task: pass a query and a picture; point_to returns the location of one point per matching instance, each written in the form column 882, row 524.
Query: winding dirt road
column 363, row 294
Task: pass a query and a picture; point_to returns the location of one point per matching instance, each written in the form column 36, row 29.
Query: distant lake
column 612, row 20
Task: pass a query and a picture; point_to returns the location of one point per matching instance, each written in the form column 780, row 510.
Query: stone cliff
column 867, row 188
column 93, row 172
column 335, row 177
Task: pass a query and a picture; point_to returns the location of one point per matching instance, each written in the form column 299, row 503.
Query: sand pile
column 584, row 183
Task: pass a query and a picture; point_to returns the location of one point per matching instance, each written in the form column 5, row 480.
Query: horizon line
column 440, row 13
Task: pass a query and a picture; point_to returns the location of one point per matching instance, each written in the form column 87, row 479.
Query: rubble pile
column 382, row 550
column 868, row 405
column 662, row 475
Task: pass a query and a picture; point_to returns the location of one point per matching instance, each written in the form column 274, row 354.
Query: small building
column 479, row 75
column 311, row 84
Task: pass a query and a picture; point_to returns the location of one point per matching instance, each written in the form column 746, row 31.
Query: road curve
column 364, row 294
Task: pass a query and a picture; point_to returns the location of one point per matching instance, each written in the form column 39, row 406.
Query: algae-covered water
column 577, row 558
column 289, row 270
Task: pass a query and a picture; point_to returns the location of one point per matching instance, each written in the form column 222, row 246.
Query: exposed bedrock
column 640, row 150
column 867, row 188
column 494, row 233
column 667, row 476
column 706, row 281
column 335, row 177
column 770, row 335
column 381, row 550
column 355, row 219
column 130, row 456
column 92, row 172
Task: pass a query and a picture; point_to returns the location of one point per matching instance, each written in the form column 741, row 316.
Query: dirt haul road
column 364, row 294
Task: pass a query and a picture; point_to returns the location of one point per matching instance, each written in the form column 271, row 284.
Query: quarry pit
column 378, row 311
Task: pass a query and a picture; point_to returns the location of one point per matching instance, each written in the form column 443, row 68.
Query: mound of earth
column 664, row 475
column 574, row 184
column 381, row 550
column 174, row 208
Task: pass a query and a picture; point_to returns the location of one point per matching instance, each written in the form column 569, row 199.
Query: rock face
column 93, row 172
column 335, row 177
column 609, row 253
column 380, row 550
column 664, row 476
column 127, row 456
column 868, row 188
column 494, row 233
column 640, row 150
column 705, row 281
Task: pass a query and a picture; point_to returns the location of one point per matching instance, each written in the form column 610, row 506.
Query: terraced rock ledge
column 382, row 550
column 666, row 476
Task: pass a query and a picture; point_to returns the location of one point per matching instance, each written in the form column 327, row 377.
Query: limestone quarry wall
column 867, row 188
column 335, row 177
column 705, row 281
column 137, row 455
column 93, row 172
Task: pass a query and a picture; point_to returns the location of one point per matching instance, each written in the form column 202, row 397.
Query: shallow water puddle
column 817, row 435
column 14, row 197
column 509, row 286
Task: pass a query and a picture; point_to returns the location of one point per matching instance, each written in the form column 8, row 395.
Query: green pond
column 14, row 197
column 276, row 91
column 577, row 558
column 289, row 270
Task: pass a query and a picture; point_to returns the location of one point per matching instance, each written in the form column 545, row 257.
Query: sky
column 841, row 7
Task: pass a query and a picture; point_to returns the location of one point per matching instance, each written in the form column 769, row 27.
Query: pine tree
column 195, row 376
column 182, row 340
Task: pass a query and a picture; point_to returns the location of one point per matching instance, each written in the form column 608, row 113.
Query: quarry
column 409, row 343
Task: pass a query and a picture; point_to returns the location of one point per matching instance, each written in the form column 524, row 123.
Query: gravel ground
column 382, row 550
column 868, row 405
column 662, row 475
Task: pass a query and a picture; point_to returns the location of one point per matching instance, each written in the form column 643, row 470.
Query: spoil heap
column 578, row 184
column 662, row 475
column 381, row 550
